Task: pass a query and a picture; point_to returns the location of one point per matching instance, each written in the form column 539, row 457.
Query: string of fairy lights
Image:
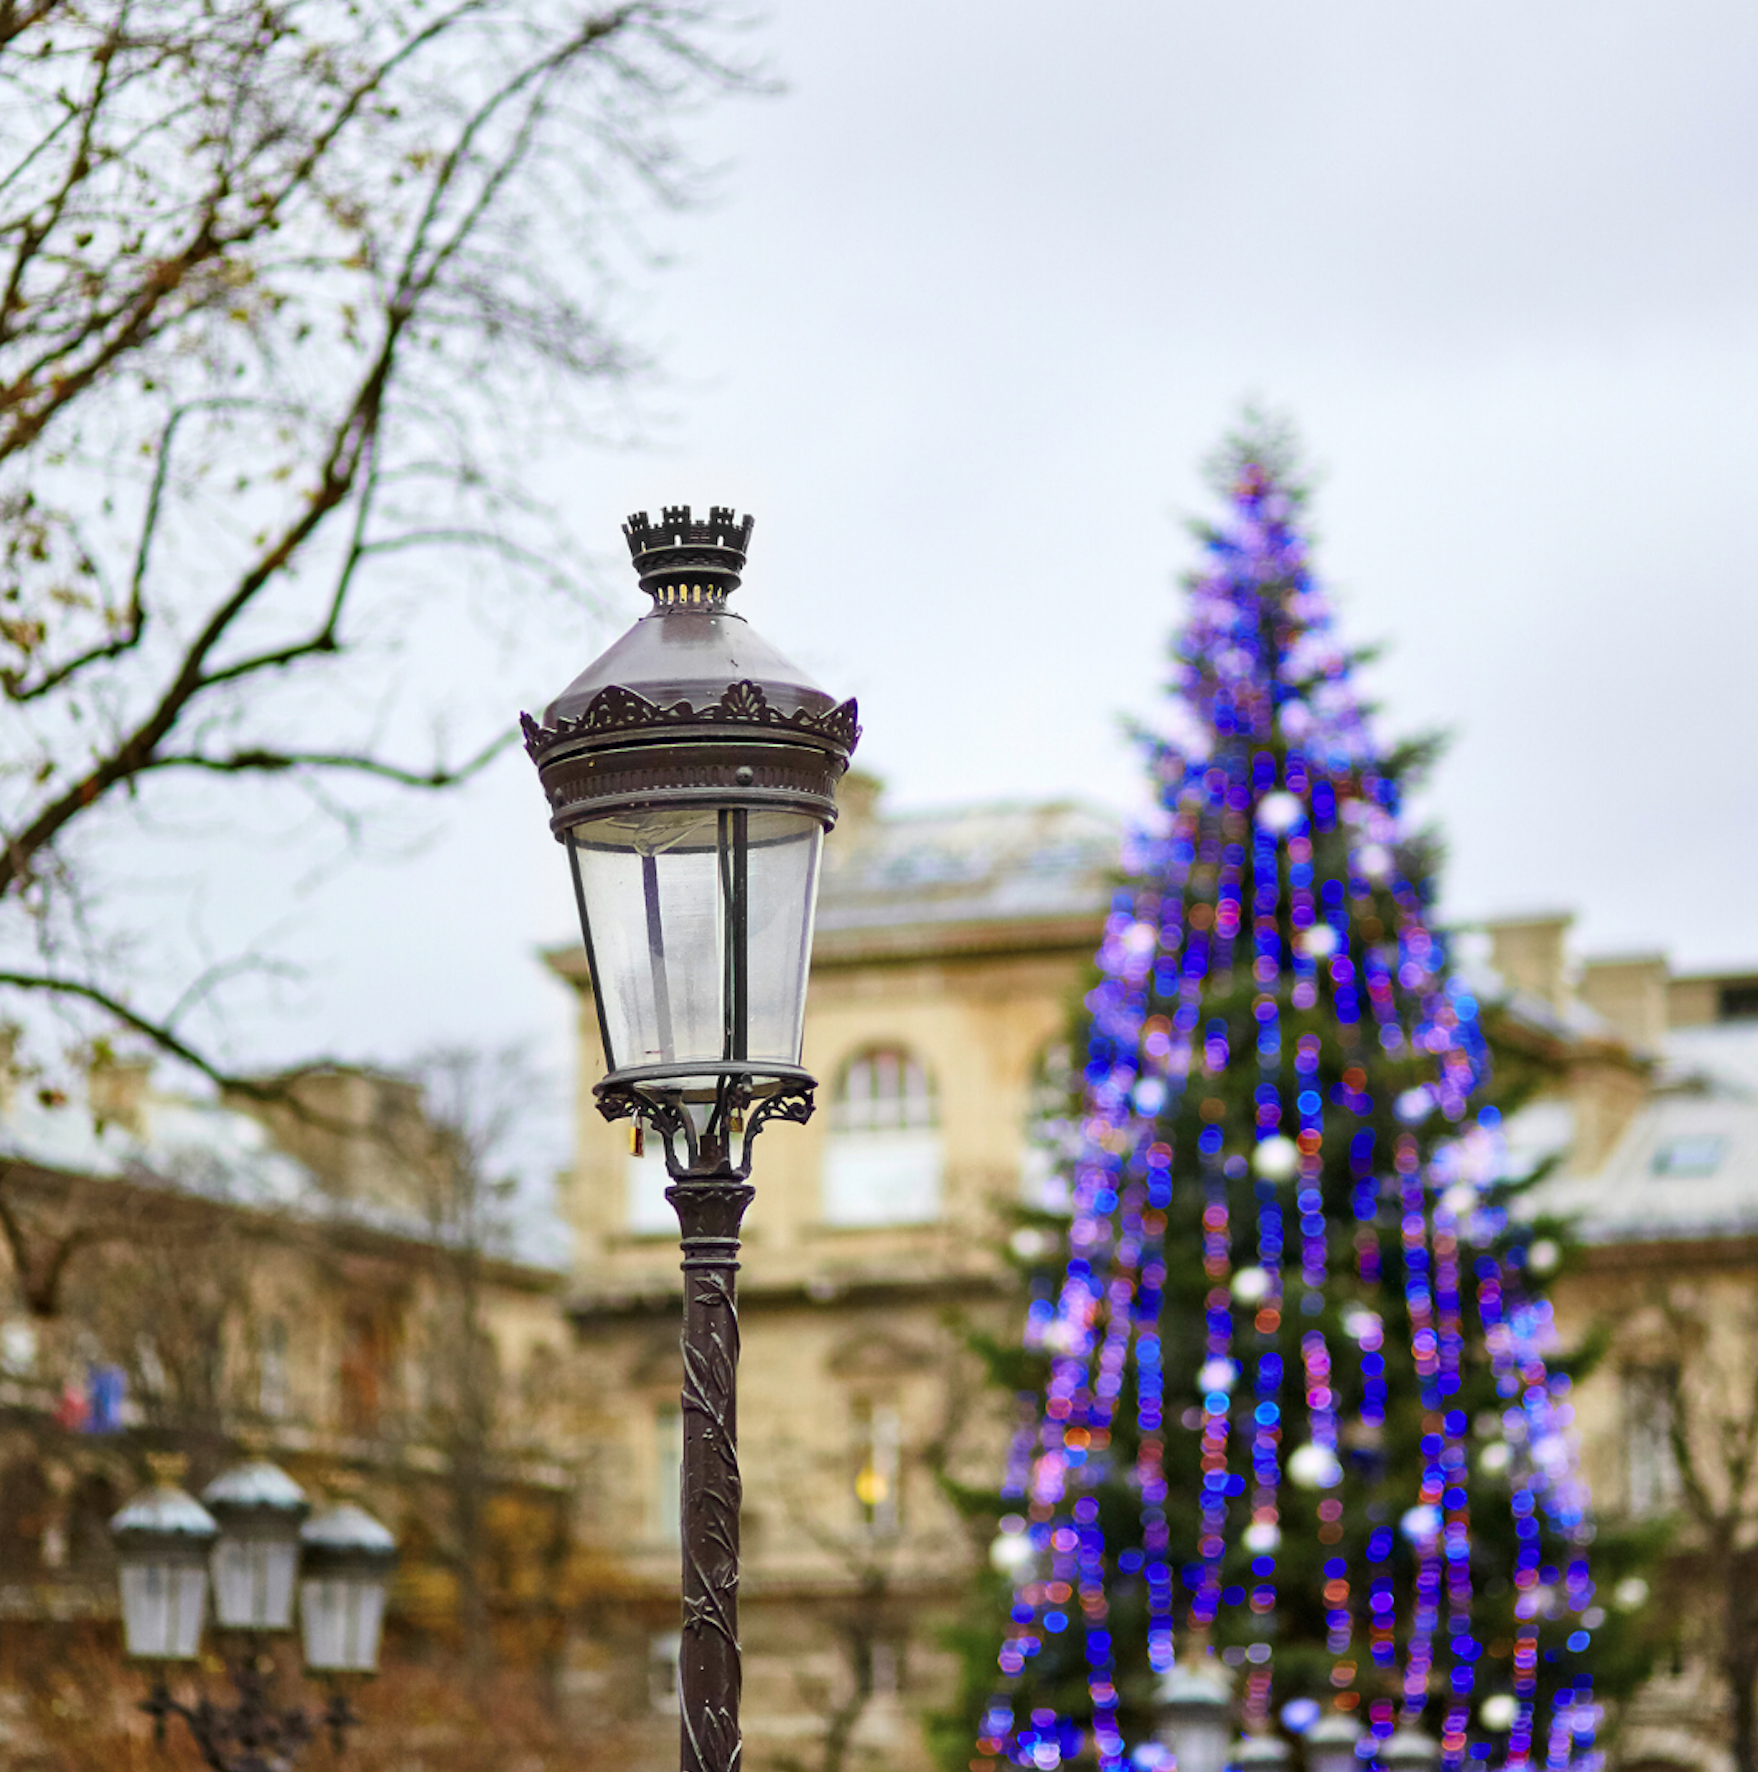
column 1229, row 879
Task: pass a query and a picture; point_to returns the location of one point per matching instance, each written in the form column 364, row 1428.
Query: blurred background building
column 313, row 1278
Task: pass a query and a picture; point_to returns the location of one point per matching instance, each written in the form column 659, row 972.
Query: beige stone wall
column 837, row 1323
column 816, row 1571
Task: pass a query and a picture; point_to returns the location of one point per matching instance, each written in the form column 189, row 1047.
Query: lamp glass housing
column 698, row 924
column 1330, row 1744
column 254, row 1579
column 1194, row 1717
column 343, row 1617
column 1202, row 1738
column 164, row 1599
column 348, row 1561
column 255, row 1560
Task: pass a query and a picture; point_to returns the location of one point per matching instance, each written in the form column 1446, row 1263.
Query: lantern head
column 691, row 774
column 162, row 1540
column 1193, row 1715
column 348, row 1561
column 259, row 1509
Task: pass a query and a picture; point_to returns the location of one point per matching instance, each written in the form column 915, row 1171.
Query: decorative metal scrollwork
column 793, row 1105
column 254, row 1733
column 615, row 709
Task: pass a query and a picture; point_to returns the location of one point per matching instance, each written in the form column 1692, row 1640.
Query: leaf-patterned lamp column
column 709, row 1675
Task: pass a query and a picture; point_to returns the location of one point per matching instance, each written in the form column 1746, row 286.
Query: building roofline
column 278, row 1222
column 1697, row 1246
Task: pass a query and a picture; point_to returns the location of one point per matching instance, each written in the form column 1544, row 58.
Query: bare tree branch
column 275, row 762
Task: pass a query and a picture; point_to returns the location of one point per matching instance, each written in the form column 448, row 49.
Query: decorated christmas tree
column 1293, row 1480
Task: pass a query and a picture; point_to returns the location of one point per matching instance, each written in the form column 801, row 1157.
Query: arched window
column 1051, row 1105
column 883, row 1160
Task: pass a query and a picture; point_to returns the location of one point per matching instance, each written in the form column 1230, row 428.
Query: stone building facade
column 179, row 1279
column 949, row 954
column 950, row 951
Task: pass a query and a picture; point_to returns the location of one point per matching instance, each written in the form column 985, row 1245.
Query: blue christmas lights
column 1229, row 896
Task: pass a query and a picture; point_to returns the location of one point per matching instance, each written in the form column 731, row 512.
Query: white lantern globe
column 1410, row 1750
column 255, row 1561
column 1499, row 1712
column 348, row 1559
column 1320, row 941
column 1330, row 1743
column 1193, row 1716
column 162, row 1540
column 1279, row 812
column 1012, row 1554
column 1261, row 1753
column 1251, row 1285
column 1312, row 1466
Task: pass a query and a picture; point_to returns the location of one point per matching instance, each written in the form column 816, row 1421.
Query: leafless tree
column 1711, row 1387
column 293, row 293
column 474, row 1101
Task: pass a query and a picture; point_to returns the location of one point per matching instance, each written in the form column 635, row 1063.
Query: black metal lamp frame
column 726, row 745
column 254, row 1734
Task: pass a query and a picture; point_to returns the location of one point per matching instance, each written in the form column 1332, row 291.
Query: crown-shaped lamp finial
column 686, row 564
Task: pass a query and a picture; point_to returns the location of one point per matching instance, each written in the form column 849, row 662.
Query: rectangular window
column 1696, row 1154
column 663, row 1652
column 668, row 1462
column 271, row 1376
column 885, row 1675
column 1739, row 1000
column 364, row 1377
column 873, row 1178
column 878, row 1467
column 1651, row 1472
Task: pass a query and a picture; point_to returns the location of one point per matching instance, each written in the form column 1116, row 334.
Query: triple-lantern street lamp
column 252, row 1545
column 1193, row 1717
column 691, row 776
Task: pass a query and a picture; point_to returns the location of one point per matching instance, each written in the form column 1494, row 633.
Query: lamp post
column 1330, row 1743
column 1410, row 1749
column 1193, row 1716
column 243, row 1540
column 1261, row 1753
column 691, row 775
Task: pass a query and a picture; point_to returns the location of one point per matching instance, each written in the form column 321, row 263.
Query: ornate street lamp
column 1410, row 1749
column 259, row 1509
column 691, row 775
column 162, row 1542
column 1261, row 1753
column 1330, row 1743
column 247, row 1538
column 1193, row 1716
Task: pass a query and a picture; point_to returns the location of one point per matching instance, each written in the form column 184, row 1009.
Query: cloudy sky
column 985, row 283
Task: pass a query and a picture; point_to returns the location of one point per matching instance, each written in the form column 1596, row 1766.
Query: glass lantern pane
column 343, row 1616
column 699, row 924
column 650, row 891
column 783, row 889
column 162, row 1605
column 253, row 1583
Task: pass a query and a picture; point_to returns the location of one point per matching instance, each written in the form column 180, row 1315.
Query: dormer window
column 1695, row 1154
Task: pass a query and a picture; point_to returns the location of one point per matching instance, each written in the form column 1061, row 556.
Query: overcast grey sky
column 985, row 284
